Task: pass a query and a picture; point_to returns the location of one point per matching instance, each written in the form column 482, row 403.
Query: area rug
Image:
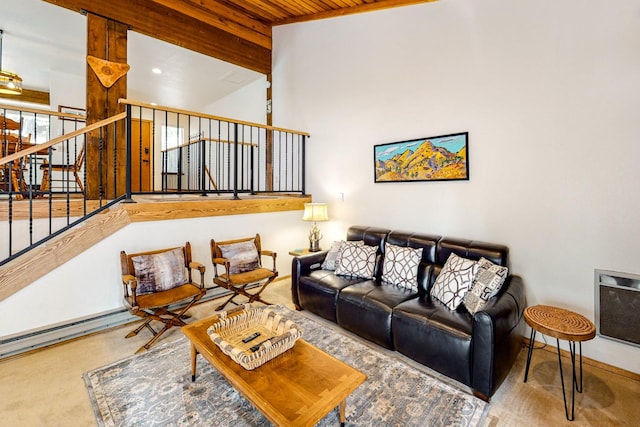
column 155, row 388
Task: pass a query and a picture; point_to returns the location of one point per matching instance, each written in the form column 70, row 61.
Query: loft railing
column 177, row 151
column 50, row 187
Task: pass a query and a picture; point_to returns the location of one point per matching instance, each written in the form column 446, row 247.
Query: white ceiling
column 40, row 38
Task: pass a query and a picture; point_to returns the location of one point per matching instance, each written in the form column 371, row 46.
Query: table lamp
column 315, row 212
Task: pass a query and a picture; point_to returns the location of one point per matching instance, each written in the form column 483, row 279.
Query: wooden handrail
column 208, row 116
column 28, row 151
column 38, row 111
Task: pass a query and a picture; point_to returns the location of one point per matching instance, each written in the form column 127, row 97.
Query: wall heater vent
column 618, row 306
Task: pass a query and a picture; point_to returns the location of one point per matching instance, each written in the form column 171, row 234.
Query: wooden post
column 106, row 39
column 269, row 144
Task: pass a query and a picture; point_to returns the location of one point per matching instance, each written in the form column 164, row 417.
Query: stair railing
column 166, row 151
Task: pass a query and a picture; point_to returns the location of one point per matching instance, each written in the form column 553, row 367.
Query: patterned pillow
column 331, row 260
column 454, row 281
column 357, row 260
column 159, row 272
column 401, row 266
column 486, row 285
column 242, row 256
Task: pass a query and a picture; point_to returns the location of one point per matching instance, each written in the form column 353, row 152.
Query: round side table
column 560, row 324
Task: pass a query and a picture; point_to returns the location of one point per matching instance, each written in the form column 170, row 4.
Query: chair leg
column 230, row 299
column 174, row 319
column 46, row 182
column 256, row 296
column 16, row 183
column 78, row 181
column 139, row 328
column 155, row 338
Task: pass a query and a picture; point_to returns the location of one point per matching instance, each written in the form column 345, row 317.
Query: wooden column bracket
column 108, row 72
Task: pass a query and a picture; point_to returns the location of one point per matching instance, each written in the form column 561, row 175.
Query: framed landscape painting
column 437, row 158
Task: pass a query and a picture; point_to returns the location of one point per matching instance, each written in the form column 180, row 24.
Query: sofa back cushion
column 372, row 236
column 471, row 249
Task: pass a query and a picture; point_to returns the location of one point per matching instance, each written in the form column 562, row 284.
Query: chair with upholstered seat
column 66, row 171
column 156, row 280
column 241, row 259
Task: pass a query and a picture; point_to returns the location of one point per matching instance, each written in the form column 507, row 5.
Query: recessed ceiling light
column 156, row 71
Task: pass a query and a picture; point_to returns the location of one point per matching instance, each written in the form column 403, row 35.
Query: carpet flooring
column 155, row 388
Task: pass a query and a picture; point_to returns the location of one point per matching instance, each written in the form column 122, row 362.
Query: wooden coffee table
column 297, row 388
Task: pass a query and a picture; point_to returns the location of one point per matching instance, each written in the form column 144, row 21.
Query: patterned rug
column 155, row 388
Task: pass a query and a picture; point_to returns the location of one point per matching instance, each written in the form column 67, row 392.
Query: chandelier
column 10, row 83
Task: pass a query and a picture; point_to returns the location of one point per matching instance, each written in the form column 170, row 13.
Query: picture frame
column 80, row 112
column 435, row 158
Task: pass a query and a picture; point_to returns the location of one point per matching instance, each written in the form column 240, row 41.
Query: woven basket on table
column 277, row 334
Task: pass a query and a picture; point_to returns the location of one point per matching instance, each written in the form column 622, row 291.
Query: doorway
column 141, row 158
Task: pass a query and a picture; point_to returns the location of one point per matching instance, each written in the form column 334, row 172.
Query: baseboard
column 43, row 337
column 23, row 342
column 587, row 361
column 13, row 345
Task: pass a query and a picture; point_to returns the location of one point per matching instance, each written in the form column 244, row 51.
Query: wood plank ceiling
column 237, row 31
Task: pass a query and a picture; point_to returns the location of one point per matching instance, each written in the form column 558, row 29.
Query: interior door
column 141, row 155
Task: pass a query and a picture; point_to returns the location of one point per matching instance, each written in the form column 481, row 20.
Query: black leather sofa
column 477, row 350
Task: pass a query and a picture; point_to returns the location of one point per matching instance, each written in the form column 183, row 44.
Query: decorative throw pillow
column 242, row 256
column 400, row 266
column 454, row 281
column 486, row 285
column 357, row 260
column 331, row 260
column 159, row 272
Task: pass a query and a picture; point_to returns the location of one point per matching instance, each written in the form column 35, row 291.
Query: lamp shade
column 10, row 83
column 315, row 212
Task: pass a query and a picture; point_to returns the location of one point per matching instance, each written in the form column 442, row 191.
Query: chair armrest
column 194, row 265
column 273, row 256
column 497, row 336
column 130, row 284
column 219, row 261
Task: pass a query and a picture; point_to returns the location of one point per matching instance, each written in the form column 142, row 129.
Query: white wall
column 246, row 104
column 548, row 91
column 91, row 282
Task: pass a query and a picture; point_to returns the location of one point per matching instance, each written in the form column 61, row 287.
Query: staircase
column 148, row 163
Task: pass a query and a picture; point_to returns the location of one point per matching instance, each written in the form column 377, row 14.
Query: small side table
column 560, row 324
column 300, row 252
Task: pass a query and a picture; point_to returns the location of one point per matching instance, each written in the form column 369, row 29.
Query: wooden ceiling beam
column 32, row 96
column 224, row 18
column 270, row 11
column 350, row 10
column 172, row 26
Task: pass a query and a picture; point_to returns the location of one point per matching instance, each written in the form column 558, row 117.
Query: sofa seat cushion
column 425, row 330
column 318, row 292
column 365, row 309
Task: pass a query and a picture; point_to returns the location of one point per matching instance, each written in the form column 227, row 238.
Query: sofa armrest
column 302, row 266
column 497, row 337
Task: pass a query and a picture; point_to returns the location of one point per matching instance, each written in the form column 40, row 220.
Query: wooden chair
column 66, row 170
column 9, row 132
column 12, row 176
column 155, row 280
column 241, row 259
